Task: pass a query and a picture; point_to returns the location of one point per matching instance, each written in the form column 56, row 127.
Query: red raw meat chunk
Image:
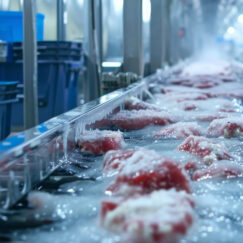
column 185, row 96
column 224, row 169
column 205, row 149
column 227, row 107
column 186, row 106
column 114, row 159
column 210, row 116
column 190, row 165
column 180, row 130
column 216, row 105
column 134, row 103
column 162, row 216
column 198, row 81
column 178, row 89
column 100, row 123
column 233, row 90
column 145, row 171
column 99, row 142
column 138, row 119
column 228, row 127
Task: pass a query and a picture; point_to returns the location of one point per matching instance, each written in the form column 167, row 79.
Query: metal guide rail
column 31, row 156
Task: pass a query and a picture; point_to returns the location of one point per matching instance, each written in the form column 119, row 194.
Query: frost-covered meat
column 185, row 96
column 179, row 130
column 99, row 142
column 145, row 171
column 214, row 68
column 215, row 104
column 188, row 106
column 231, row 90
column 138, row 119
column 162, row 216
column 228, row 127
column 134, row 103
column 178, row 89
column 199, row 81
column 205, row 149
column 224, row 169
column 115, row 159
column 208, row 116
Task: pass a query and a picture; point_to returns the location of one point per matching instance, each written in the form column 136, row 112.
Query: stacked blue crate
column 8, row 92
column 59, row 65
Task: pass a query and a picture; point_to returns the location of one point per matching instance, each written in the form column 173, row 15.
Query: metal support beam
column 30, row 65
column 61, row 33
column 159, row 34
column 92, row 47
column 132, row 37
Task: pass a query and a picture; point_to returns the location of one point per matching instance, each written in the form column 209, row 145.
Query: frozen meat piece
column 188, row 106
column 224, row 169
column 213, row 105
column 179, row 130
column 231, row 90
column 228, row 127
column 138, row 119
column 99, row 142
column 134, row 103
column 197, row 81
column 178, row 89
column 162, row 216
column 214, row 68
column 209, row 116
column 185, row 96
column 204, row 148
column 146, row 171
column 115, row 159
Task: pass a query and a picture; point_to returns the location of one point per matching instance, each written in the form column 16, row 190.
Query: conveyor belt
column 26, row 159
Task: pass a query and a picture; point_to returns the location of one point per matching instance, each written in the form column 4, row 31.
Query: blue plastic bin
column 11, row 26
column 6, row 86
column 5, row 117
column 57, row 87
column 52, row 50
column 8, row 92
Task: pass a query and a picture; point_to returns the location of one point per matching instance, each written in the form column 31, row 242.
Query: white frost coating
column 135, row 101
column 227, row 90
column 180, row 130
column 207, row 68
column 94, row 135
column 163, row 208
column 144, row 114
column 141, row 160
column 183, row 96
column 224, row 168
column 215, row 151
column 219, row 127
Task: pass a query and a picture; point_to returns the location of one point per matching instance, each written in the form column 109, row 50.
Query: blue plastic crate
column 8, row 86
column 11, row 26
column 5, row 117
column 52, row 50
column 57, row 87
column 8, row 95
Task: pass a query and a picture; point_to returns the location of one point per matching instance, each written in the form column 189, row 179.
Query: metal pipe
column 61, row 33
column 30, row 64
column 132, row 37
column 93, row 63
